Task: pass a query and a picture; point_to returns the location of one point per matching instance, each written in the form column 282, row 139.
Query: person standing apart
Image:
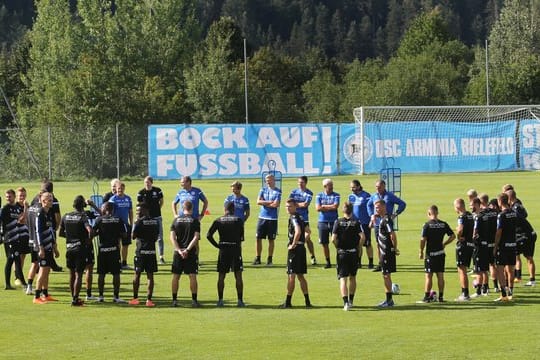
column 326, row 203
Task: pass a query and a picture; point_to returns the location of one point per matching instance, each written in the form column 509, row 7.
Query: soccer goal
column 448, row 138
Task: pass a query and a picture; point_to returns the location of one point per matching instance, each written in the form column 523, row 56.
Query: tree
column 214, row 84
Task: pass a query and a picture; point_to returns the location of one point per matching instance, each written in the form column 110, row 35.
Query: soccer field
column 477, row 329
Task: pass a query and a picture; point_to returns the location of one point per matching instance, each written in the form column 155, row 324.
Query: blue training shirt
column 267, row 194
column 241, row 205
column 328, row 199
column 359, row 202
column 301, row 196
column 194, row 195
column 121, row 207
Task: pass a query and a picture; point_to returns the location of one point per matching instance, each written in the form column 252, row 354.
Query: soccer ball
column 395, row 289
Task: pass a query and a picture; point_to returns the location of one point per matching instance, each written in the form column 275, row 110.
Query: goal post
column 436, row 139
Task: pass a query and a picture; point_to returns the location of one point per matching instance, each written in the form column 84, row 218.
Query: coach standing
column 153, row 197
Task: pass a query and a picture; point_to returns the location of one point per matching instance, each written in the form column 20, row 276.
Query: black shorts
column 24, row 246
column 464, row 254
column 127, row 239
column 434, row 264
column 526, row 247
column 481, row 258
column 230, row 258
column 34, row 256
column 145, row 263
column 347, row 263
column 296, row 260
column 90, row 256
column 189, row 265
column 367, row 233
column 266, row 229
column 388, row 262
column 13, row 249
column 325, row 229
column 76, row 259
column 505, row 257
column 109, row 260
column 48, row 260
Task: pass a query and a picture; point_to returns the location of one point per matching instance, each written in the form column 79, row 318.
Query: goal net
column 447, row 138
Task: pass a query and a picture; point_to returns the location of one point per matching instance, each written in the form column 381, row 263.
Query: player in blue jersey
column 327, row 203
column 303, row 196
column 359, row 199
column 241, row 203
column 268, row 199
column 391, row 201
column 123, row 208
column 194, row 195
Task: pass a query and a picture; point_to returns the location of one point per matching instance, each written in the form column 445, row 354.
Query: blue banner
column 430, row 146
column 529, row 146
column 228, row 151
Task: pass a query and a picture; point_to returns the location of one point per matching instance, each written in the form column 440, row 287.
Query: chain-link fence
column 74, row 152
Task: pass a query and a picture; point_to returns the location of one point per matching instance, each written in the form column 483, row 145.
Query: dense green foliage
column 83, row 67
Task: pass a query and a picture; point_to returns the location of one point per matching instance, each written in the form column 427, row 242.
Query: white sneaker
column 462, row 298
column 475, row 295
column 91, row 298
column 29, row 290
column 347, row 307
column 530, row 283
column 119, row 301
column 18, row 282
column 101, row 299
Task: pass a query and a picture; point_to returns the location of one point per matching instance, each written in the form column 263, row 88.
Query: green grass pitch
column 479, row 329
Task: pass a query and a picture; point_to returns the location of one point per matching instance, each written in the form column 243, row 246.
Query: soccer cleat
column 18, row 282
column 328, row 266
column 386, row 304
column 39, row 301
column 309, row 306
column 101, row 299
column 91, row 298
column 174, row 303
column 150, row 303
column 119, row 301
column 29, row 290
column 195, row 304
column 162, row 260
column 313, row 260
column 9, row 287
column 425, row 301
column 49, row 298
column 269, row 263
column 257, row 261
column 284, row 306
column 240, row 304
column 57, row 268
column 347, row 307
column 501, row 299
column 463, row 298
column 220, row 303
column 377, row 268
column 77, row 302
column 517, row 280
column 475, row 295
column 530, row 283
column 126, row 267
column 134, row 302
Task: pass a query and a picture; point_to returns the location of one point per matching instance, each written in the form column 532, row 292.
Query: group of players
column 493, row 235
column 483, row 235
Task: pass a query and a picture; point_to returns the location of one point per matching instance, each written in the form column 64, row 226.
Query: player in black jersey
column 10, row 216
column 296, row 256
column 464, row 246
column 432, row 241
column 22, row 225
column 347, row 236
column 110, row 229
column 48, row 250
column 231, row 235
column 75, row 227
column 185, row 235
column 153, row 197
column 485, row 226
column 388, row 247
column 505, row 247
column 145, row 234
